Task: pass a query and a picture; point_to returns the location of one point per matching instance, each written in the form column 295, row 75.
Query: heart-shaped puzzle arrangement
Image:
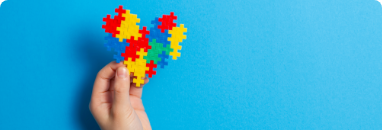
column 143, row 50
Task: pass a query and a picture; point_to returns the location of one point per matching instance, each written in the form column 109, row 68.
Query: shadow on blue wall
column 90, row 50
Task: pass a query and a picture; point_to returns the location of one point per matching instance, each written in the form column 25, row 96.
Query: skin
column 116, row 102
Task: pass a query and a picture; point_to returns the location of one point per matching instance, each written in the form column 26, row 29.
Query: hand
column 116, row 102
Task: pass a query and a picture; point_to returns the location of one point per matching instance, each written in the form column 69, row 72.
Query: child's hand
column 116, row 103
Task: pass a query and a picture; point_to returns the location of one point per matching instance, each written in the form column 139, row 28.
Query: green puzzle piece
column 156, row 49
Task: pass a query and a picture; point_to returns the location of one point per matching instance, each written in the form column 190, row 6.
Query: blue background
column 246, row 64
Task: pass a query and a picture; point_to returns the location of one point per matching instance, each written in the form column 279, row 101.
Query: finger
column 102, row 81
column 121, row 89
column 137, row 91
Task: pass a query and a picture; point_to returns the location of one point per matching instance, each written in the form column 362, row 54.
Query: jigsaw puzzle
column 143, row 50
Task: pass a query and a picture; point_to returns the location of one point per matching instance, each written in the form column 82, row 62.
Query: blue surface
column 255, row 64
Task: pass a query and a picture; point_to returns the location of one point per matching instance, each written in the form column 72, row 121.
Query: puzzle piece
column 132, row 42
column 119, row 47
column 138, row 67
column 118, row 58
column 159, row 36
column 176, row 37
column 152, row 55
column 120, row 11
column 175, row 54
column 141, row 68
column 144, row 32
column 167, row 22
column 130, row 65
column 156, row 22
column 111, row 25
column 151, row 70
column 155, row 33
column 143, row 43
column 128, row 27
column 163, row 57
column 142, row 50
column 177, row 33
column 156, row 49
column 110, row 42
column 130, row 52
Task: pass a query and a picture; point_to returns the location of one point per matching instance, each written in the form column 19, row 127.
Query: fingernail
column 121, row 72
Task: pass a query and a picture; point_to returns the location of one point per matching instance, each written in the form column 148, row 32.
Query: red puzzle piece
column 130, row 52
column 132, row 42
column 143, row 42
column 144, row 32
column 112, row 24
column 167, row 22
column 151, row 70
column 120, row 11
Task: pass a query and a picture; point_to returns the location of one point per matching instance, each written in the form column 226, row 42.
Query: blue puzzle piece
column 163, row 56
column 156, row 33
column 118, row 58
column 162, row 63
column 121, row 46
column 110, row 42
column 156, row 22
column 113, row 43
column 163, row 38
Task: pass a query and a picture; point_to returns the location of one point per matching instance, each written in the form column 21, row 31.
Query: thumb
column 121, row 89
